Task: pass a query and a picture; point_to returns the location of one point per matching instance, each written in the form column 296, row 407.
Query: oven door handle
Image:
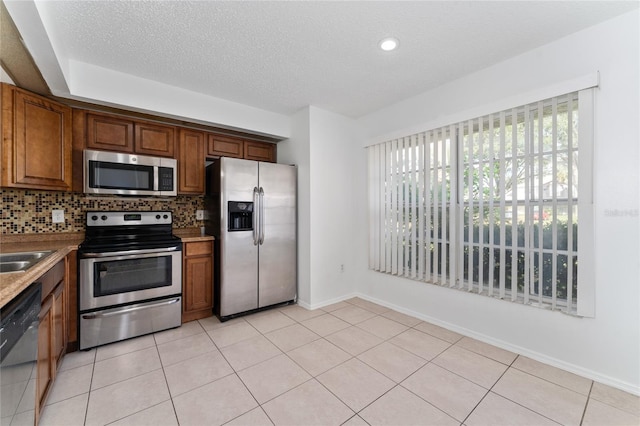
column 98, row 315
column 129, row 252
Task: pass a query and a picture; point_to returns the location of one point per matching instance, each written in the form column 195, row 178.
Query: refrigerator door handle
column 255, row 222
column 261, row 218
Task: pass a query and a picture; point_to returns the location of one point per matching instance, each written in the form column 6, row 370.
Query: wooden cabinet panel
column 36, row 141
column 225, row 146
column 109, row 133
column 154, row 139
column 71, row 281
column 260, row 151
column 191, row 163
column 198, row 294
column 52, row 330
column 198, row 248
column 59, row 316
column 197, row 281
column 44, row 367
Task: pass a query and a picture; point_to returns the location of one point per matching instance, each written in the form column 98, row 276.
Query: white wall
column 322, row 145
column 332, row 205
column 607, row 347
column 295, row 150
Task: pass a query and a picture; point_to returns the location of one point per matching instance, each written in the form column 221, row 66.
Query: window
column 490, row 205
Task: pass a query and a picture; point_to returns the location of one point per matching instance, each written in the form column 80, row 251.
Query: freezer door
column 277, row 253
column 238, row 282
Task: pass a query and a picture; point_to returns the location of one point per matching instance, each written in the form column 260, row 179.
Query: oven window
column 122, row 276
column 120, row 176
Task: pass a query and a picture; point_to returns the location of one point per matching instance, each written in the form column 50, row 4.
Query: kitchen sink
column 20, row 262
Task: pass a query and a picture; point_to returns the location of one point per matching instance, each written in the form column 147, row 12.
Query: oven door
column 110, row 279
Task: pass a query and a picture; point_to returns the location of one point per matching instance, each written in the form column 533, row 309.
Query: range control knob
column 94, row 217
column 158, row 217
column 104, row 217
column 166, row 216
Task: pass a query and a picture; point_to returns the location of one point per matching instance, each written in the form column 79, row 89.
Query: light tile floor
column 352, row 363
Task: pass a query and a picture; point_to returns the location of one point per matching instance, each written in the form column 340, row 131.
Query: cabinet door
column 44, row 368
column 36, row 141
column 154, row 139
column 197, row 293
column 191, row 162
column 109, row 133
column 224, row 146
column 260, row 151
column 59, row 329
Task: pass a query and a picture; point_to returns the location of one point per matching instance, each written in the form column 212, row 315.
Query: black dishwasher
column 18, row 356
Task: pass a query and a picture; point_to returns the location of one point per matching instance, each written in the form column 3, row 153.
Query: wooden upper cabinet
column 36, row 141
column 260, row 151
column 228, row 146
column 191, row 163
column 225, row 146
column 155, row 139
column 110, row 133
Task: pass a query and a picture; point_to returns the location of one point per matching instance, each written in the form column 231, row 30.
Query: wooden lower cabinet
column 59, row 316
column 45, row 368
column 197, row 280
column 52, row 331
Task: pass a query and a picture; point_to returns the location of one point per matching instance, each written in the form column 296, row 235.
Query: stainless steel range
column 130, row 276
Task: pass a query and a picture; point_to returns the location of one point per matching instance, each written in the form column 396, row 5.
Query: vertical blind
column 489, row 205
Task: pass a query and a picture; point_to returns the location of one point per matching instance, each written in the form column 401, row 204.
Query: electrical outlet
column 199, row 214
column 342, row 268
column 57, row 216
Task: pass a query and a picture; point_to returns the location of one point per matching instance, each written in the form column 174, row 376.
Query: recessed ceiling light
column 388, row 44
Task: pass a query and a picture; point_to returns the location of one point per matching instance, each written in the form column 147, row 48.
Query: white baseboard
column 554, row 362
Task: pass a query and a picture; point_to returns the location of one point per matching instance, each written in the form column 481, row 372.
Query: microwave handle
column 156, row 178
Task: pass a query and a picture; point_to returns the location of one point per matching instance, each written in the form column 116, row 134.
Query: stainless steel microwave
column 129, row 174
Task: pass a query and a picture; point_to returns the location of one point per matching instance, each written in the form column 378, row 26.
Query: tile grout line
column 489, row 391
column 586, row 404
column 93, row 367
column 164, row 373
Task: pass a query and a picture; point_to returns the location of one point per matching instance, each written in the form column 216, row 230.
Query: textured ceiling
column 282, row 56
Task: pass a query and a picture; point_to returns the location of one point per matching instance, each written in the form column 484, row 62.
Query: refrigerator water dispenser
column 240, row 216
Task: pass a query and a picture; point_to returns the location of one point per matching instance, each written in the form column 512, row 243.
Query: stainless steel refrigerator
column 251, row 211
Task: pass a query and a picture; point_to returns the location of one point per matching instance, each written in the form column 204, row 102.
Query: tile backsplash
column 29, row 212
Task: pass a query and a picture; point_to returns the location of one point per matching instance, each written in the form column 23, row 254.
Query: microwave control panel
column 165, row 179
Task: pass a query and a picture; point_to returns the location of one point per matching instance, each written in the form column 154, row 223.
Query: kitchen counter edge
column 13, row 283
column 189, row 235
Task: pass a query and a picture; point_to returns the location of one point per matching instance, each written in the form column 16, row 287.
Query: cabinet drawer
column 198, row 249
column 51, row 278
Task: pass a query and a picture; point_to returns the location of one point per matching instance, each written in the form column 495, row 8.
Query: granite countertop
column 13, row 283
column 190, row 235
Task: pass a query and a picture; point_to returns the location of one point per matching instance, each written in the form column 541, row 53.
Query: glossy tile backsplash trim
column 29, row 212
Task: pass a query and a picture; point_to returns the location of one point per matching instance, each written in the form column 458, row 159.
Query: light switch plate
column 57, row 216
column 199, row 214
